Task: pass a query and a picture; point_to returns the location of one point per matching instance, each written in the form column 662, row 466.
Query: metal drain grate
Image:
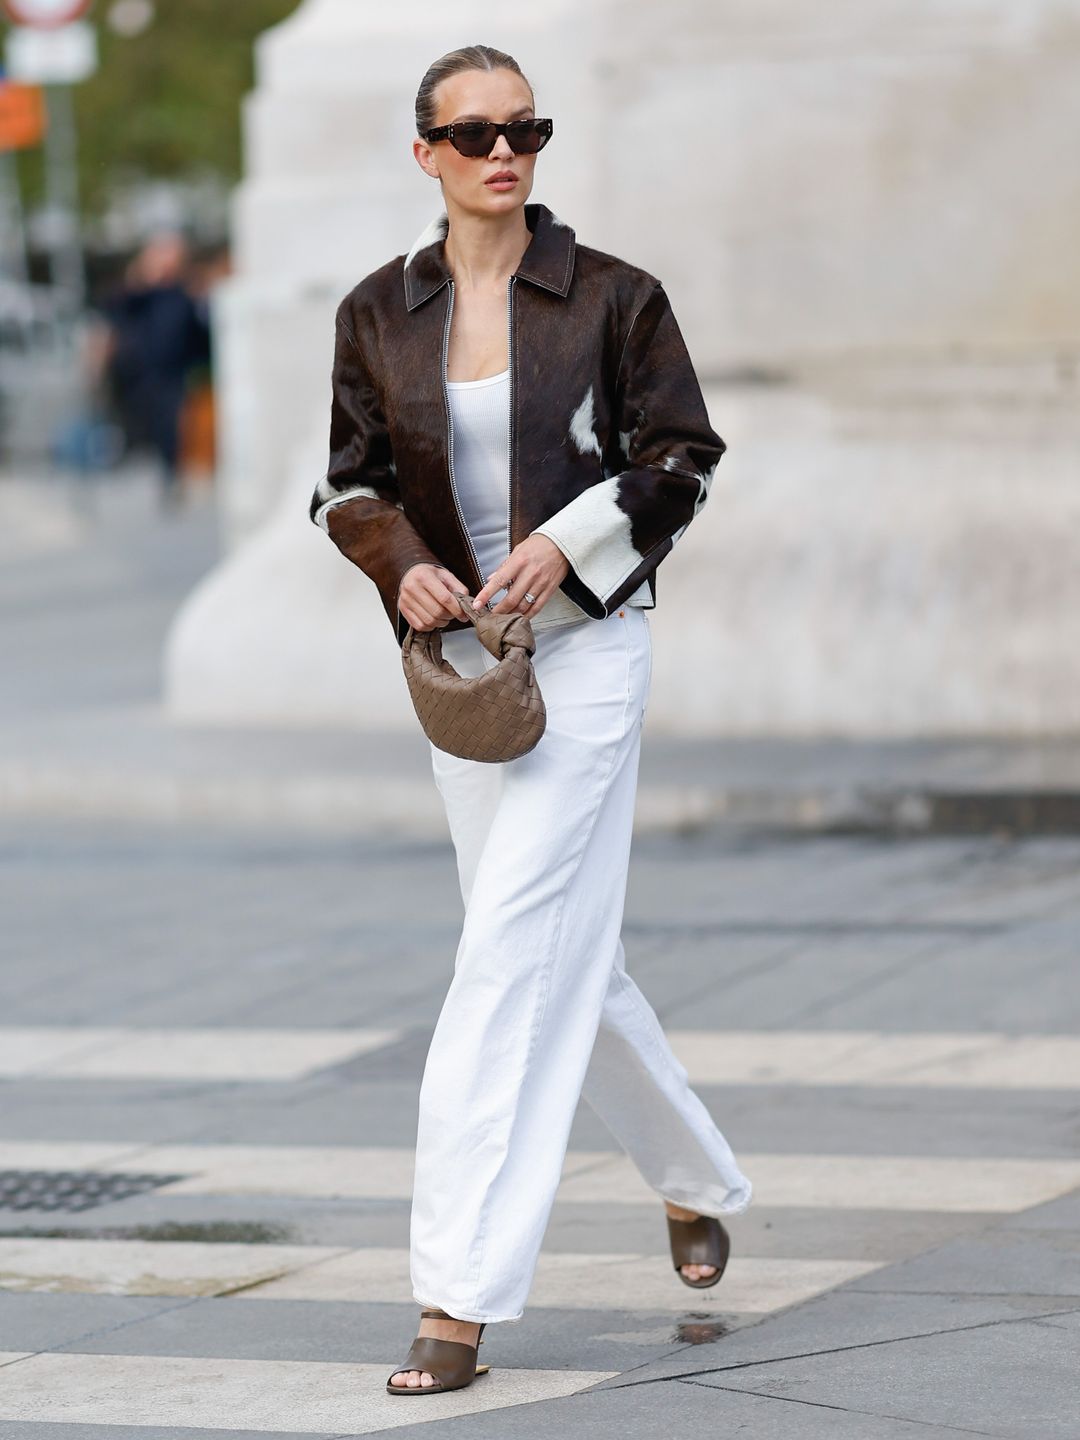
column 72, row 1189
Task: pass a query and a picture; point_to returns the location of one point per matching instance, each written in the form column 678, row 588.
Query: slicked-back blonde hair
column 468, row 57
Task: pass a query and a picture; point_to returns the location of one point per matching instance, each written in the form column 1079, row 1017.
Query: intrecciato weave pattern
column 497, row 715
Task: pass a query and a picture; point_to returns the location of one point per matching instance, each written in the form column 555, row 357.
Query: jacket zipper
column 477, row 577
column 510, row 414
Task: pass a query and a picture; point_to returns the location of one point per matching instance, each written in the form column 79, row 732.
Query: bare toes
column 698, row 1272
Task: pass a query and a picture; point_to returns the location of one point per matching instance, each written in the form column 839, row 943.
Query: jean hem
column 736, row 1207
column 473, row 1319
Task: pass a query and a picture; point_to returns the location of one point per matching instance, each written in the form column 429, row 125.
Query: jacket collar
column 548, row 259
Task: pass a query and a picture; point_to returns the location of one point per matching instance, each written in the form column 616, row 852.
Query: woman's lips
column 501, row 184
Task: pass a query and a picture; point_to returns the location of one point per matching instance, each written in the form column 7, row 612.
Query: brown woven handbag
column 497, row 715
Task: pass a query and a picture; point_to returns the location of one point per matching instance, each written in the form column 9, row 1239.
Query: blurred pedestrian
column 515, row 412
column 160, row 331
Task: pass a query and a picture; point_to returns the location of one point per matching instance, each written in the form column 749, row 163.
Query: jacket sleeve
column 357, row 502
column 616, row 532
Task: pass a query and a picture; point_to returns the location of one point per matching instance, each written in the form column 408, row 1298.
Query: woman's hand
column 426, row 596
column 538, row 566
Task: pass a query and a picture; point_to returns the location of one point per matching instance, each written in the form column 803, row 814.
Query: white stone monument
column 865, row 215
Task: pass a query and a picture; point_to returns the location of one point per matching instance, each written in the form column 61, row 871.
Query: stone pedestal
column 863, row 214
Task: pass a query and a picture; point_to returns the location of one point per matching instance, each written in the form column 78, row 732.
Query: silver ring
column 529, row 596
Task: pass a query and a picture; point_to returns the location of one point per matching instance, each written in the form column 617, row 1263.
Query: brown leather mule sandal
column 703, row 1241
column 452, row 1362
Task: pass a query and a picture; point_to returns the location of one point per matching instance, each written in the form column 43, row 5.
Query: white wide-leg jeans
column 540, row 1009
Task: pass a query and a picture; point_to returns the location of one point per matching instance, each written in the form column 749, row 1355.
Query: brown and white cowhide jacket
column 611, row 450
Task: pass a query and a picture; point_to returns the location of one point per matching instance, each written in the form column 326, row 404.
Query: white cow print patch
column 583, row 426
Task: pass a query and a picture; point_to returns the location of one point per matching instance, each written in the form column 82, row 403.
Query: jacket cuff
column 382, row 542
column 593, row 532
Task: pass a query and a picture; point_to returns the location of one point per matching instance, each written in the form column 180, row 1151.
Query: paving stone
column 969, row 1324
column 1014, row 1377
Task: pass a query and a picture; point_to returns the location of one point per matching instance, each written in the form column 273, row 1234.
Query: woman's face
column 479, row 95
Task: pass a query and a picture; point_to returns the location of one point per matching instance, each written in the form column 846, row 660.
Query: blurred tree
column 164, row 103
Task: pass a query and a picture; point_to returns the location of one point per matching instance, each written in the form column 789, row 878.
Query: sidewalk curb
column 412, row 807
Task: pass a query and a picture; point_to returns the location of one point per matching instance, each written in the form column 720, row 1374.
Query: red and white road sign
column 46, row 14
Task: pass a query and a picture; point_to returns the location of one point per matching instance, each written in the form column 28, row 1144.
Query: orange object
column 197, row 447
column 22, row 116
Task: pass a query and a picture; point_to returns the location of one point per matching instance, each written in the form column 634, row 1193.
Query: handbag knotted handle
column 498, row 633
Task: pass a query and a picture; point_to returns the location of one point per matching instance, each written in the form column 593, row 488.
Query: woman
column 515, row 417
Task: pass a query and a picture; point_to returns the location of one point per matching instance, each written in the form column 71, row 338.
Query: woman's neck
column 483, row 251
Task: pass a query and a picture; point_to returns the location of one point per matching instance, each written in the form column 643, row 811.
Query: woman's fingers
column 514, row 600
column 416, row 599
column 493, row 585
column 515, row 596
column 427, row 597
column 451, row 588
column 536, row 565
column 526, row 578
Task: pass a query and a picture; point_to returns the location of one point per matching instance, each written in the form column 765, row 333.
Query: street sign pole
column 22, row 124
column 14, row 225
column 62, row 190
column 53, row 46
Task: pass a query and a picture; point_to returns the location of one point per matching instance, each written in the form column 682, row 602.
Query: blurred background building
column 865, row 215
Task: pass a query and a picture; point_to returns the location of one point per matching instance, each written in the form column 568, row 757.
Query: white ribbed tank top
column 480, row 411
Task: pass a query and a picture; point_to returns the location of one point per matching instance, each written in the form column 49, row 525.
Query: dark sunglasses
column 476, row 137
